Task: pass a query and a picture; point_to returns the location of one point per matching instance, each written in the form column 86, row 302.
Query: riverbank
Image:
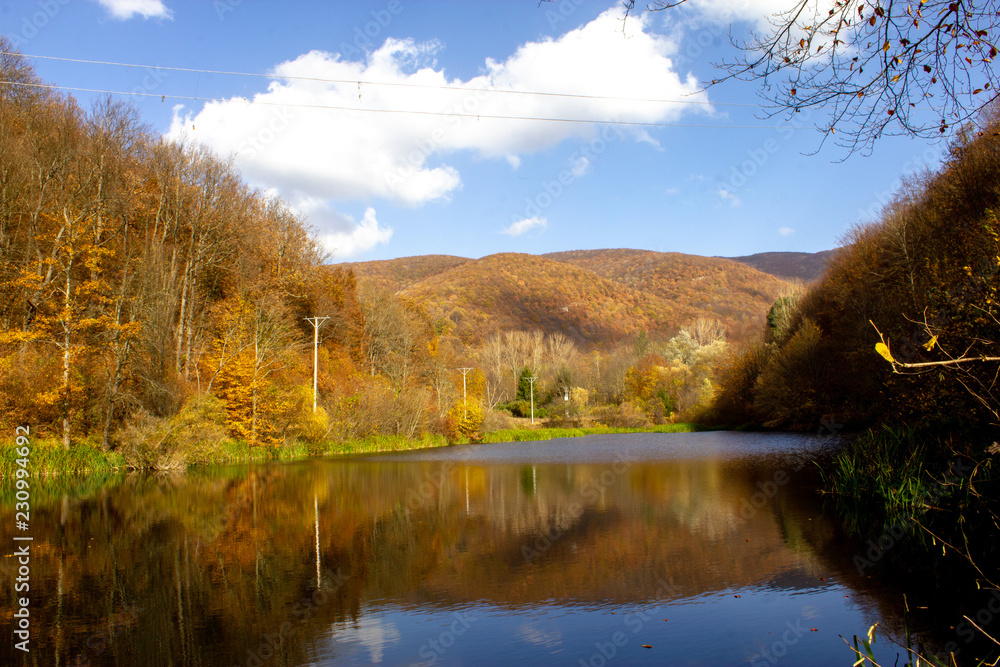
column 47, row 457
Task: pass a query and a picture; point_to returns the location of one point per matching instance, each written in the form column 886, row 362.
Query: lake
column 689, row 549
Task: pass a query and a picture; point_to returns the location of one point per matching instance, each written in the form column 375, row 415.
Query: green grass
column 241, row 452
column 886, row 467
column 524, row 435
column 383, row 443
column 57, row 486
column 47, row 457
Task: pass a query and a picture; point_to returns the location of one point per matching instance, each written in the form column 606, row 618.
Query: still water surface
column 710, row 548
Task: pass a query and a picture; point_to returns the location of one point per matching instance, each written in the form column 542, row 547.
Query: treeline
column 923, row 277
column 138, row 272
column 152, row 302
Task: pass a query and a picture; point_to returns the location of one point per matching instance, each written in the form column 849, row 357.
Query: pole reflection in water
column 712, row 548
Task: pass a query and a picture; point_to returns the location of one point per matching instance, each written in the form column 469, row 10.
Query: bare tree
column 705, row 331
column 873, row 67
column 492, row 358
column 983, row 389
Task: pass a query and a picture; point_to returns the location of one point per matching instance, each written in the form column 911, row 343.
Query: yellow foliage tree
column 251, row 344
column 466, row 420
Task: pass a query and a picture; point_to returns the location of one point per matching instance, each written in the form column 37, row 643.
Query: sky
column 413, row 127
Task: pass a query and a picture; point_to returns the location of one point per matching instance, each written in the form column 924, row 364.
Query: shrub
column 497, row 420
column 190, row 436
column 518, row 408
column 626, row 415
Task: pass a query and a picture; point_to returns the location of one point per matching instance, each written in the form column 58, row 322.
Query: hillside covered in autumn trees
column 139, row 274
column 155, row 304
column 595, row 297
column 921, row 280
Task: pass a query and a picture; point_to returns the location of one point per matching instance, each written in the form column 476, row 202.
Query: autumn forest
column 158, row 314
column 152, row 300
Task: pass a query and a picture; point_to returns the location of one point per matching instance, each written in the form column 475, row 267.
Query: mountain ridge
column 595, row 297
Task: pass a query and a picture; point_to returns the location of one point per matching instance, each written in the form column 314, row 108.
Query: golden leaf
column 929, row 345
column 883, row 349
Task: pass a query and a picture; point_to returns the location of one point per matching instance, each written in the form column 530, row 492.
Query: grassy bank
column 524, row 435
column 241, row 452
column 48, row 457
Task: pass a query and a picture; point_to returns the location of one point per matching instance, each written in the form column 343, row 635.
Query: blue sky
column 691, row 171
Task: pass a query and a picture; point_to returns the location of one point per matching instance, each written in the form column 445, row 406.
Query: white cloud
column 527, row 224
column 123, row 10
column 786, row 231
column 321, row 140
column 731, row 197
column 753, row 11
column 759, row 13
column 581, row 166
column 357, row 238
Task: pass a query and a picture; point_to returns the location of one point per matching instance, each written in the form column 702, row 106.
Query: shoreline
column 48, row 458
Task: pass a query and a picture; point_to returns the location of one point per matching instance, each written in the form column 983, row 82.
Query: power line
column 329, row 107
column 357, row 82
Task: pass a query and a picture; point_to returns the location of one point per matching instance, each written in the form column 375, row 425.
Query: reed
column 49, row 457
column 884, row 466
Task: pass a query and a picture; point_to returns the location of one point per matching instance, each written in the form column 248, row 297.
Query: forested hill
column 398, row 274
column 804, row 266
column 921, row 281
column 596, row 297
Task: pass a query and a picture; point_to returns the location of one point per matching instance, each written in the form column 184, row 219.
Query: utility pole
column 465, row 405
column 316, row 322
column 531, row 381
